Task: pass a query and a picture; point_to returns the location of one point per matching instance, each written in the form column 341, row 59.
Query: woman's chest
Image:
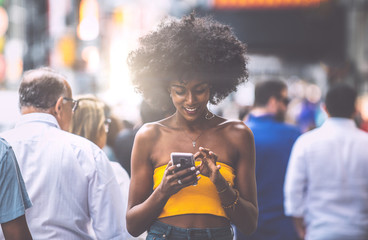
column 179, row 142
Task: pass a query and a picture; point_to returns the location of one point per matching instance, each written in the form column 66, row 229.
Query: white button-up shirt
column 69, row 180
column 327, row 181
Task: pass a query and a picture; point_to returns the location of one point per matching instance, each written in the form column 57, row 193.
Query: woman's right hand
column 173, row 180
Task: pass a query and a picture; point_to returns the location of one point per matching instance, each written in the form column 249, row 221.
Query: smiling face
column 190, row 98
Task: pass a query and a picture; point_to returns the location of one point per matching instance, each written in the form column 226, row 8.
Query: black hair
column 41, row 88
column 179, row 49
column 340, row 100
column 266, row 89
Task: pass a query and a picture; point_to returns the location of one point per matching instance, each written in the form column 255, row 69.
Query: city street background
column 310, row 44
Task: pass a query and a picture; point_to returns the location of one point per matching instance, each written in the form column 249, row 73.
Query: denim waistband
column 160, row 230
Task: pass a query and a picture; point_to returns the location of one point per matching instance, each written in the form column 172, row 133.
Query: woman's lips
column 191, row 110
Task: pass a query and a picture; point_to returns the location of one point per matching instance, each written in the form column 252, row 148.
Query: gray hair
column 41, row 88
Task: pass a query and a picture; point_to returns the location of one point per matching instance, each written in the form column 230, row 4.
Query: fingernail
column 198, row 172
column 192, row 168
column 178, row 165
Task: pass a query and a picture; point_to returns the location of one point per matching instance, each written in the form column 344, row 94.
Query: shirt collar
column 38, row 117
column 268, row 117
column 341, row 122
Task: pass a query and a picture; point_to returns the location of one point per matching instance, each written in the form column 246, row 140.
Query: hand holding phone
column 186, row 160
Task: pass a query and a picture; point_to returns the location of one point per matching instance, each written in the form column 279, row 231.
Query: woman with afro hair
column 188, row 63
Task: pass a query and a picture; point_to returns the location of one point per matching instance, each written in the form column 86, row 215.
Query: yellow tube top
column 200, row 199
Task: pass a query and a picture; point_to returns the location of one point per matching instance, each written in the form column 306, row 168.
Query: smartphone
column 186, row 160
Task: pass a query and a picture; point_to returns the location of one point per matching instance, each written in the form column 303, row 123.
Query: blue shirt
column 14, row 199
column 273, row 142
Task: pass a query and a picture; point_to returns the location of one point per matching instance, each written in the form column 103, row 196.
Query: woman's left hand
column 208, row 165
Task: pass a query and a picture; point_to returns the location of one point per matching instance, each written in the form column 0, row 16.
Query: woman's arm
column 16, row 229
column 145, row 205
column 244, row 214
column 239, row 203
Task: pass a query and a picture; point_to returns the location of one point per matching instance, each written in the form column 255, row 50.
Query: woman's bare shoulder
column 150, row 130
column 235, row 125
column 153, row 130
column 236, row 132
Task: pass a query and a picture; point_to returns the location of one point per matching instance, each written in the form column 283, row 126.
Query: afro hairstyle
column 190, row 47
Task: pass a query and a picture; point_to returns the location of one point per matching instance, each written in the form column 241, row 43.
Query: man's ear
column 272, row 104
column 272, row 100
column 58, row 106
column 323, row 106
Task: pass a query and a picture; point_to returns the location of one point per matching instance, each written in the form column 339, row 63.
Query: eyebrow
column 198, row 85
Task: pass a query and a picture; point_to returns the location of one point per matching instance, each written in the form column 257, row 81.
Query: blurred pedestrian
column 326, row 186
column 274, row 140
column 14, row 199
column 68, row 178
column 115, row 126
column 90, row 122
column 189, row 63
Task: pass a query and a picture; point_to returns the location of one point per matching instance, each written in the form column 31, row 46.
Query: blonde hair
column 88, row 119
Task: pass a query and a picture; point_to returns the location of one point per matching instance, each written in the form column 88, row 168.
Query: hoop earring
column 208, row 116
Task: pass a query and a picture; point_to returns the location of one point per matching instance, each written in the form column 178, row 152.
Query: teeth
column 190, row 109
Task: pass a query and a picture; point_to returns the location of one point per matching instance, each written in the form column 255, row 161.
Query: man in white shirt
column 326, row 186
column 69, row 179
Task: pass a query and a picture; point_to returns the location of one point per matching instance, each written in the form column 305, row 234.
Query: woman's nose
column 190, row 98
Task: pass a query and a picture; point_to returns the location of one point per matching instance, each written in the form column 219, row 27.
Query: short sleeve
column 14, row 199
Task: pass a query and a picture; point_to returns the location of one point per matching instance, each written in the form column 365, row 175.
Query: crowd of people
column 259, row 179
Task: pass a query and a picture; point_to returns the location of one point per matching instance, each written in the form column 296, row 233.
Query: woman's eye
column 180, row 92
column 201, row 90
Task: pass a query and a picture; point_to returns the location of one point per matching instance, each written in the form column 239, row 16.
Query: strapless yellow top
column 200, row 199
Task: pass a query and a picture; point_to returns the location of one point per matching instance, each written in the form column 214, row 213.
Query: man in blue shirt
column 14, row 199
column 273, row 140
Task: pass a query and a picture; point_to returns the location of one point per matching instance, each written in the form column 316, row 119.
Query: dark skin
column 299, row 226
column 230, row 142
column 16, row 229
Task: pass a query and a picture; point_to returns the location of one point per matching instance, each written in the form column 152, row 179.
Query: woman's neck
column 197, row 125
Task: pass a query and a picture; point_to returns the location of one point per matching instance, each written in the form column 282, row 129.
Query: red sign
column 266, row 3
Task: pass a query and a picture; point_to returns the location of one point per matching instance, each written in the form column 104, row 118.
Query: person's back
column 68, row 178
column 14, row 198
column 273, row 140
column 123, row 147
column 337, row 173
column 327, row 178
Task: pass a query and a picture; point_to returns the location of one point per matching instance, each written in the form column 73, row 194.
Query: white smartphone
column 186, row 160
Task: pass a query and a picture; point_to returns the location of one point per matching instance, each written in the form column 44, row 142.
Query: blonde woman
column 89, row 121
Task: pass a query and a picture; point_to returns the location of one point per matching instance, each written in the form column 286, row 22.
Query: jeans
column 162, row 231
